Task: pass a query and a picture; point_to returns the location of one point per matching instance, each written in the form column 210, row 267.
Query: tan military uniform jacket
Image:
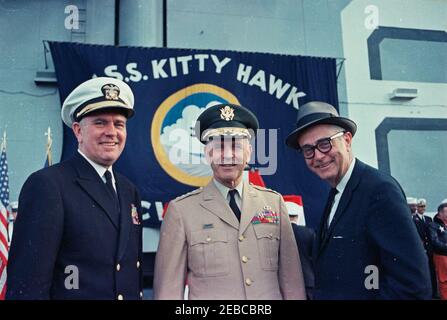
column 203, row 244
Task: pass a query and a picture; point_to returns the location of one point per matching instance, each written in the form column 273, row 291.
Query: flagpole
column 49, row 145
column 3, row 146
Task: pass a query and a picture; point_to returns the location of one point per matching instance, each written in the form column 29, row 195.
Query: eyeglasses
column 323, row 145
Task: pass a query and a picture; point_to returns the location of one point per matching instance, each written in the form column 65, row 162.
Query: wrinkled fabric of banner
column 172, row 86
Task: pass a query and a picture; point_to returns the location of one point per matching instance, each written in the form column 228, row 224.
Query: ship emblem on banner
column 178, row 151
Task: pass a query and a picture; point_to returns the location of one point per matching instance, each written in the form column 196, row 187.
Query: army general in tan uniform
column 230, row 239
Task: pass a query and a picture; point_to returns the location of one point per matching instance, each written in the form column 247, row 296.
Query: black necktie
column 233, row 204
column 109, row 185
column 327, row 211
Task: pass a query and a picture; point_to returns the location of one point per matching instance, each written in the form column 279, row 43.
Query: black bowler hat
column 226, row 120
column 316, row 112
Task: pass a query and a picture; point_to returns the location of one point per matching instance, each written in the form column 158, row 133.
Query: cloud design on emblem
column 184, row 150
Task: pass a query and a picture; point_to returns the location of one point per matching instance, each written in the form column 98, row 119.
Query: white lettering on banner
column 219, row 64
column 184, row 61
column 157, row 68
column 275, row 85
column 111, row 71
column 182, row 66
column 135, row 75
column 161, row 70
column 293, row 97
column 146, row 205
column 259, row 80
column 201, row 58
column 243, row 73
column 173, row 67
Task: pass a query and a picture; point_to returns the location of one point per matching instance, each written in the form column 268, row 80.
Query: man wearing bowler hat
column 367, row 245
column 230, row 239
column 78, row 233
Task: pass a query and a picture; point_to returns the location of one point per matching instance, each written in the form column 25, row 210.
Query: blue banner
column 172, row 86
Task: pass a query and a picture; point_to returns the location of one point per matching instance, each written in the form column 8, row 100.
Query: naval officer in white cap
column 78, row 234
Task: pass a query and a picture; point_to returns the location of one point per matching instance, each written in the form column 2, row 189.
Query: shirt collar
column 224, row 189
column 98, row 168
column 344, row 181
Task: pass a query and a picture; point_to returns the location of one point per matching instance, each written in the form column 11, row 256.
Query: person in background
column 305, row 239
column 412, row 205
column 421, row 207
column 438, row 236
column 422, row 222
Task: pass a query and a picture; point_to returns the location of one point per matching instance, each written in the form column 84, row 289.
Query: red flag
column 255, row 178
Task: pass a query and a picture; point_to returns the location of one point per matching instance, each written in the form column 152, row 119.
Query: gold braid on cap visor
column 230, row 131
column 98, row 105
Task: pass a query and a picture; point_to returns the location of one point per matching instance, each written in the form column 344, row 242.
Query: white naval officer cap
column 99, row 93
column 422, row 202
column 411, row 200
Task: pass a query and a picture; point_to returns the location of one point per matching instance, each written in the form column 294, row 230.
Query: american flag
column 4, row 204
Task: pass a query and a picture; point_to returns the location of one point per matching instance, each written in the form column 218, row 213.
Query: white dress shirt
column 100, row 169
column 340, row 188
column 224, row 191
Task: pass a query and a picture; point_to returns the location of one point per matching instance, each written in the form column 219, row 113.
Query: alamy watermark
column 372, row 19
column 72, row 280
column 372, row 279
column 185, row 149
column 72, row 20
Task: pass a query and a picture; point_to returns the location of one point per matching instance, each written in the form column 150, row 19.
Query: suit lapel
column 92, row 184
column 213, row 201
column 344, row 201
column 125, row 214
column 248, row 204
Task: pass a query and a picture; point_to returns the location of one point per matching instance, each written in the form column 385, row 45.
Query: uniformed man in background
column 412, row 205
column 230, row 239
column 78, row 233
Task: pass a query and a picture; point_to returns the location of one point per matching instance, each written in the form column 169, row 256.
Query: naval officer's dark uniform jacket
column 68, row 228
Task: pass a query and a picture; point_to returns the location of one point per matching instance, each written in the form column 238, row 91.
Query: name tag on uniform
column 208, row 226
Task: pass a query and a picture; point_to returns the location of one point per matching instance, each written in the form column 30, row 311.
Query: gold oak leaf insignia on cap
column 110, row 91
column 227, row 113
